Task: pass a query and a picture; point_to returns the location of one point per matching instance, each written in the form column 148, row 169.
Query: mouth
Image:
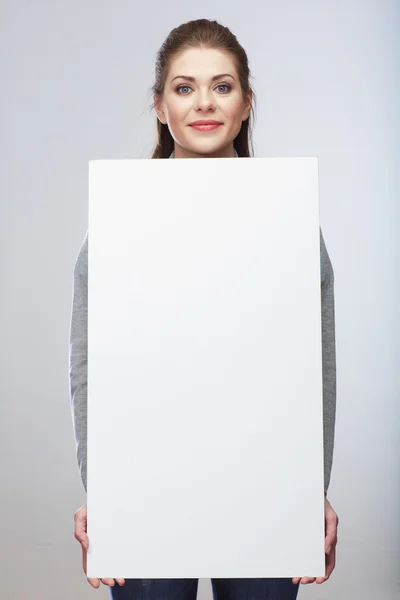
column 205, row 125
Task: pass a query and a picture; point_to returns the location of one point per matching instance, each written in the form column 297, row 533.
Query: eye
column 186, row 87
column 224, row 85
column 182, row 87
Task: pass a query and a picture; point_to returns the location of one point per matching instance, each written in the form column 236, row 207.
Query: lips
column 206, row 122
column 205, row 125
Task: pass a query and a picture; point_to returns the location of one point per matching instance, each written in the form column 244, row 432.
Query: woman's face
column 203, row 84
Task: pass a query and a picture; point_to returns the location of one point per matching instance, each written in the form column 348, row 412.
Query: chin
column 205, row 148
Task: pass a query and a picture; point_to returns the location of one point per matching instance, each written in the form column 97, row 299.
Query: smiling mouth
column 205, row 126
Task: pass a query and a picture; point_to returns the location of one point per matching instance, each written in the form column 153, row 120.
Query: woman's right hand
column 80, row 519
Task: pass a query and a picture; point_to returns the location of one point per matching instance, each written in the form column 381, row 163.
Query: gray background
column 75, row 81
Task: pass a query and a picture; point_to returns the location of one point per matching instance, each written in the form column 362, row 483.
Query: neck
column 227, row 152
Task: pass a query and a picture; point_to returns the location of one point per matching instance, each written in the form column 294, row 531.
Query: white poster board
column 205, row 426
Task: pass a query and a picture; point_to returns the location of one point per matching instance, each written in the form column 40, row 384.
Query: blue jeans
column 222, row 589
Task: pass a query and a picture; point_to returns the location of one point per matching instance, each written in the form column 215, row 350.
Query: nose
column 205, row 101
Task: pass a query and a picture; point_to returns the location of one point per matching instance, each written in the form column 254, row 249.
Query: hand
column 331, row 525
column 80, row 519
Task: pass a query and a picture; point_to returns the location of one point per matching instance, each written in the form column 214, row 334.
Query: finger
column 94, row 582
column 80, row 515
column 331, row 522
column 80, row 528
column 330, row 562
column 120, row 581
column 330, row 565
column 330, row 542
column 303, row 580
column 82, row 539
column 307, row 580
column 330, row 545
column 108, row 581
column 80, row 510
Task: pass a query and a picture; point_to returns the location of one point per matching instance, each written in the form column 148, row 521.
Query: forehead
column 202, row 62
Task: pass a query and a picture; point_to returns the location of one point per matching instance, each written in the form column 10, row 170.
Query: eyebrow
column 194, row 79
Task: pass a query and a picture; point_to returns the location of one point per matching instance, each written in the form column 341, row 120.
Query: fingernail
column 329, row 549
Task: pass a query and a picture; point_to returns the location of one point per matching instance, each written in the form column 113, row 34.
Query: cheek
column 234, row 110
column 176, row 112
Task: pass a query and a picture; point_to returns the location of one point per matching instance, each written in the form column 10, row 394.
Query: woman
column 203, row 101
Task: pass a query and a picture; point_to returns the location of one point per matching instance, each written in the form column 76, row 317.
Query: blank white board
column 205, row 422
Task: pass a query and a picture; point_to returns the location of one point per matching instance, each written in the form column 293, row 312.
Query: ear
column 159, row 110
column 249, row 102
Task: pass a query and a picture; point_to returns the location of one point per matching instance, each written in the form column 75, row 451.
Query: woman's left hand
column 331, row 526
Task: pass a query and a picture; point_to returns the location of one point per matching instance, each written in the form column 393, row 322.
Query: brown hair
column 207, row 34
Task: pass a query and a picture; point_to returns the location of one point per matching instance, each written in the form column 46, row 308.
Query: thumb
column 330, row 530
column 80, row 528
column 94, row 582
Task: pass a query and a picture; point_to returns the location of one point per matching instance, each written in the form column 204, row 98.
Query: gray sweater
column 78, row 357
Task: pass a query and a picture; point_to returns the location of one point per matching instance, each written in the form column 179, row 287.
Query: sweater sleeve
column 328, row 359
column 78, row 357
